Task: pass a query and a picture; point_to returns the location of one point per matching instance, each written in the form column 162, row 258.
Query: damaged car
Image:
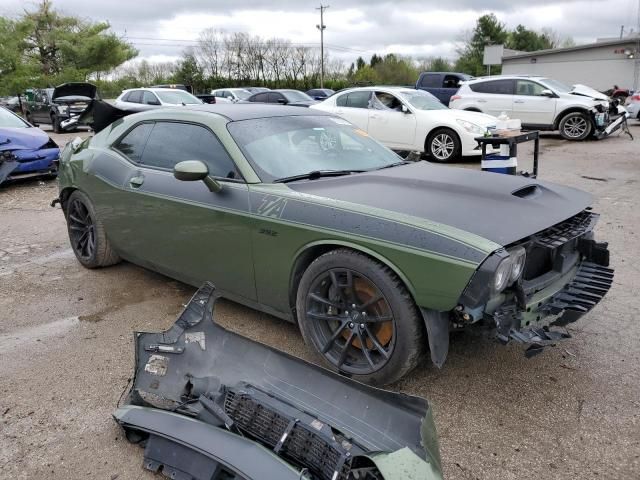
column 24, row 149
column 209, row 404
column 300, row 214
column 61, row 106
column 577, row 111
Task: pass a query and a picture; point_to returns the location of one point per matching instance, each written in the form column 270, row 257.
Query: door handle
column 136, row 182
column 482, row 101
column 373, row 115
column 518, row 101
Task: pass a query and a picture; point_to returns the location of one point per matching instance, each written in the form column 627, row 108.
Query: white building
column 599, row 65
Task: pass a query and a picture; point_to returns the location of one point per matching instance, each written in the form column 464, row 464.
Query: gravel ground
column 66, row 350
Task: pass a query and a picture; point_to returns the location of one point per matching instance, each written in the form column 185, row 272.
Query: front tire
column 55, row 123
column 443, row 145
column 359, row 317
column 575, row 126
column 86, row 233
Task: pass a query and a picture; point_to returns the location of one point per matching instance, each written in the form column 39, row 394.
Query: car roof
column 506, row 77
column 248, row 111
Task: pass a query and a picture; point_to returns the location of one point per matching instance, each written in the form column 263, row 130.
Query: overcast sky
column 160, row 29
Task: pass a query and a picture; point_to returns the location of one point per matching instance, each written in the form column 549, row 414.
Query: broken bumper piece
column 590, row 284
column 211, row 404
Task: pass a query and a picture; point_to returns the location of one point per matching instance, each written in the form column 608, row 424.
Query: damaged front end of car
column 19, row 160
column 528, row 291
column 210, row 404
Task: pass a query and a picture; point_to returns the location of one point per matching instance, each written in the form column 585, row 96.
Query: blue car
column 25, row 150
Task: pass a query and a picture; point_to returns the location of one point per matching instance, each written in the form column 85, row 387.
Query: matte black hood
column 75, row 89
column 500, row 208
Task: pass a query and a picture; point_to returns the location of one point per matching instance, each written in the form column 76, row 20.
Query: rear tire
column 443, row 145
column 347, row 302
column 575, row 126
column 87, row 234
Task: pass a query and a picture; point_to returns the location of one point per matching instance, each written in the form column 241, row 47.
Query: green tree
column 190, row 73
column 488, row 30
column 360, row 63
column 375, row 60
column 527, row 40
column 48, row 47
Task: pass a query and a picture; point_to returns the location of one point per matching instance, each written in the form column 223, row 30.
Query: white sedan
column 411, row 120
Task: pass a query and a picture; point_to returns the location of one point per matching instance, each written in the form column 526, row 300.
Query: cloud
column 354, row 27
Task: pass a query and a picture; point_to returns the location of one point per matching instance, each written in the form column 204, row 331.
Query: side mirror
column 282, row 101
column 547, row 93
column 194, row 170
column 405, row 109
column 154, row 102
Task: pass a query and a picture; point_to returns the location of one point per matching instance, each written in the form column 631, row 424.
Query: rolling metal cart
column 508, row 164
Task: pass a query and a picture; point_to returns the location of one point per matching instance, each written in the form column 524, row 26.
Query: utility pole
column 321, row 27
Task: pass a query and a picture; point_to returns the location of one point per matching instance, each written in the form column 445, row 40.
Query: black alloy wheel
column 81, row 230
column 352, row 320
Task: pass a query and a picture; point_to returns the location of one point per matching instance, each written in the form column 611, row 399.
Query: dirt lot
column 66, row 350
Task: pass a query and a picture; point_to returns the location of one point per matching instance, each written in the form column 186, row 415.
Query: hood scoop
column 530, row 191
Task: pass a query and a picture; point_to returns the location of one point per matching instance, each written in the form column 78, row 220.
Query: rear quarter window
column 495, row 87
column 431, row 80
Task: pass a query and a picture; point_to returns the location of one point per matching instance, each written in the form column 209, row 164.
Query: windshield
column 295, row 96
column 282, row 147
column 422, row 100
column 176, row 97
column 9, row 120
column 556, row 86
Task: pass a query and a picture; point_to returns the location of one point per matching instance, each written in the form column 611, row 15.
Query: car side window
column 433, row 80
column 149, row 98
column 171, row 142
column 260, row 97
column 135, row 96
column 451, row 81
column 496, row 87
column 126, row 96
column 385, row 101
column 529, row 88
column 132, row 144
column 354, row 99
column 218, row 94
column 275, row 97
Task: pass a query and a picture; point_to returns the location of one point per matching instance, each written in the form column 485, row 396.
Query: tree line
column 44, row 47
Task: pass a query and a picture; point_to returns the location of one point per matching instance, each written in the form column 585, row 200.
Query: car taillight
column 636, row 97
column 455, row 97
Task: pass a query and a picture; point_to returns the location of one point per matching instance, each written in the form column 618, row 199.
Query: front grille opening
column 322, row 455
column 539, row 261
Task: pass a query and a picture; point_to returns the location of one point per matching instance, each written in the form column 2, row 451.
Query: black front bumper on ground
column 199, row 389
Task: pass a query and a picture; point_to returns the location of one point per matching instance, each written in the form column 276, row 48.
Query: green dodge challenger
column 302, row 215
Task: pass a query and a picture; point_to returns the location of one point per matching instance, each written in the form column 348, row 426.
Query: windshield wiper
column 316, row 174
column 403, row 162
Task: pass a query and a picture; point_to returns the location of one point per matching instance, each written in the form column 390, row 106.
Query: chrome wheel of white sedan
column 443, row 145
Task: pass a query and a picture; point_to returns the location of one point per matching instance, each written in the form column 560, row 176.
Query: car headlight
column 502, row 275
column 63, row 108
column 518, row 257
column 510, row 269
column 471, row 127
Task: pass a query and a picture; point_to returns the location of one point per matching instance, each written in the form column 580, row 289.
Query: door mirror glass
column 190, row 170
column 405, row 109
column 547, row 93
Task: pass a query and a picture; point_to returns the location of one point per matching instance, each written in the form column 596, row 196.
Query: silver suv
column 540, row 103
